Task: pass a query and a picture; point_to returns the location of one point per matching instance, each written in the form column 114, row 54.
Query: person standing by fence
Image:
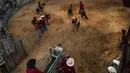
column 43, row 5
column 34, row 21
column 2, row 64
column 37, row 26
column 40, row 6
column 44, row 22
column 31, row 68
column 47, row 16
column 37, row 10
column 68, row 67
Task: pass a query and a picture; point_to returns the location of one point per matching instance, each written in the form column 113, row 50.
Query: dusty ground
column 94, row 46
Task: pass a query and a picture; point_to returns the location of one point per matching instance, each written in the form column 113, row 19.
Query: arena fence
column 30, row 39
column 8, row 8
column 13, row 51
column 49, row 60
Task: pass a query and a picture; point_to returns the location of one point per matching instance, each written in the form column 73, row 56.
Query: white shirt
column 58, row 48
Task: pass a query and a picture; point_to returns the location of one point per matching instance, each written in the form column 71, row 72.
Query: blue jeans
column 44, row 27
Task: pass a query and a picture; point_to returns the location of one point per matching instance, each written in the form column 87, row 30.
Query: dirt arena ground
column 93, row 47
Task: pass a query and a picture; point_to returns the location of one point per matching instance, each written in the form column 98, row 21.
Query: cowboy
column 58, row 49
column 63, row 61
column 39, row 4
column 65, row 58
column 34, row 21
column 81, row 6
column 47, row 16
column 43, row 5
column 2, row 64
column 68, row 67
column 70, row 11
column 37, row 10
column 44, row 22
column 77, row 24
column 74, row 20
column 83, row 14
column 40, row 24
column 38, row 29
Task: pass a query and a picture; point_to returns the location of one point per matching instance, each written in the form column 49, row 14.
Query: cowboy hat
column 39, row 19
column 74, row 17
column 112, row 69
column 70, row 62
column 42, row 16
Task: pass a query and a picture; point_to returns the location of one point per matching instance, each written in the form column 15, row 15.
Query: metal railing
column 55, row 63
column 30, row 38
column 48, row 61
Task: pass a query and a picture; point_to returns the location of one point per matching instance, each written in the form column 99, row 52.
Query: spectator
column 47, row 16
column 3, row 32
column 41, row 8
column 40, row 23
column 34, row 21
column 83, row 14
column 43, row 5
column 70, row 11
column 39, row 4
column 63, row 61
column 31, row 67
column 81, row 7
column 44, row 22
column 37, row 10
column 38, row 26
column 58, row 49
column 2, row 64
column 68, row 67
column 38, row 29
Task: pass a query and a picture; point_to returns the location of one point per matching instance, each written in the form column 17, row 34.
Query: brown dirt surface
column 93, row 47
